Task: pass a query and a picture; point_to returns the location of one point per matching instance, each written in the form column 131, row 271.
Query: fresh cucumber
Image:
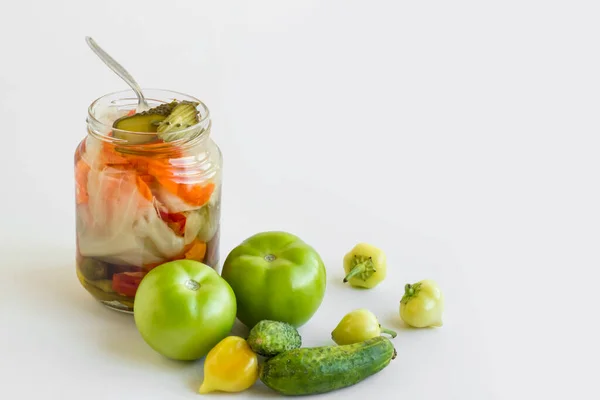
column 323, row 369
column 269, row 338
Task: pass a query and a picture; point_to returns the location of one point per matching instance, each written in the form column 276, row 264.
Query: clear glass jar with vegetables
column 148, row 187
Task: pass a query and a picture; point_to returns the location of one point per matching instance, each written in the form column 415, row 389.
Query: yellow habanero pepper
column 231, row 366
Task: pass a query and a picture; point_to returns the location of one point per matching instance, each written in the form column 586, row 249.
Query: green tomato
column 358, row 326
column 422, row 304
column 183, row 309
column 275, row 276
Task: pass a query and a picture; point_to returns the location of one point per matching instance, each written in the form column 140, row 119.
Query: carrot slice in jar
column 160, row 170
column 197, row 251
column 110, row 156
column 143, row 188
column 195, row 194
column 81, row 180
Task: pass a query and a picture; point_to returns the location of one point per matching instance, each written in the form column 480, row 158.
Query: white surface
column 461, row 137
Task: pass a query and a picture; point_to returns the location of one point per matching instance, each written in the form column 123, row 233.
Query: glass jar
column 141, row 201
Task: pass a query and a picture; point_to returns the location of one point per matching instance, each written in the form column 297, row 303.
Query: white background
column 459, row 136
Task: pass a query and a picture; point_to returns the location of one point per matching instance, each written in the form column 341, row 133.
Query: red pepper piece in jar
column 126, row 283
column 176, row 221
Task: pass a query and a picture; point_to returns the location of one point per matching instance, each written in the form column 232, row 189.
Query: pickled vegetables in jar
column 147, row 188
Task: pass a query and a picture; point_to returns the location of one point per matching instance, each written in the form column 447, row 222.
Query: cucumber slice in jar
column 182, row 117
column 92, row 269
column 144, row 122
column 138, row 123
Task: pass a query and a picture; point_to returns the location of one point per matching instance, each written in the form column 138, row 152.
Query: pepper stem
column 410, row 291
column 363, row 267
column 390, row 332
column 358, row 269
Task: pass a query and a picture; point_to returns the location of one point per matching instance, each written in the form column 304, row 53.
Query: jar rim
column 129, row 94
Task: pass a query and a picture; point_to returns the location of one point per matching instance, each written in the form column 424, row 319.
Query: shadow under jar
column 140, row 201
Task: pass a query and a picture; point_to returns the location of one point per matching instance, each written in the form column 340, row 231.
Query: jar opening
column 108, row 108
